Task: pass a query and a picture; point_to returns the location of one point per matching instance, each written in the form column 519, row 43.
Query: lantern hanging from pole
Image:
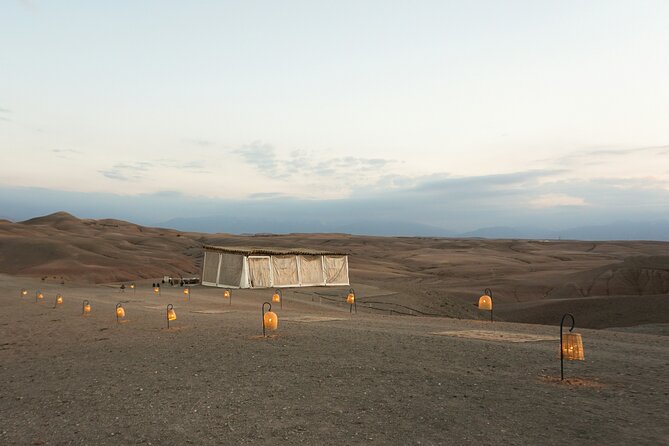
column 278, row 297
column 171, row 314
column 485, row 301
column 228, row 295
column 24, row 292
column 270, row 321
column 85, row 308
column 571, row 344
column 350, row 299
column 120, row 312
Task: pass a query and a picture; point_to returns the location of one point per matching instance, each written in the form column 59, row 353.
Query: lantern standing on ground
column 85, row 308
column 59, row 300
column 571, row 345
column 24, row 292
column 171, row 314
column 350, row 299
column 38, row 295
column 187, row 293
column 270, row 321
column 278, row 297
column 132, row 287
column 485, row 301
column 120, row 312
column 228, row 295
column 156, row 289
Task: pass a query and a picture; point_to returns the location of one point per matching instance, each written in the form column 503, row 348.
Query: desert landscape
column 418, row 363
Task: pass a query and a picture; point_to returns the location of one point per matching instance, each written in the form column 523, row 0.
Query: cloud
column 127, row 172
column 311, row 168
column 66, row 153
column 199, row 142
column 262, row 156
column 555, row 200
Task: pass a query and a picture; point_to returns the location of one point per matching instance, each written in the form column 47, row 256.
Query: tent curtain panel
column 210, row 270
column 311, row 270
column 259, row 272
column 284, row 270
column 231, row 269
column 335, row 269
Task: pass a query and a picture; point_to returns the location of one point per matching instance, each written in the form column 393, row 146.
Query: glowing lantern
column 485, row 301
column 228, row 295
column 171, row 314
column 270, row 321
column 24, row 292
column 85, row 308
column 571, row 345
column 39, row 295
column 59, row 300
column 120, row 312
column 132, row 287
column 187, row 293
column 278, row 297
column 350, row 299
column 156, row 290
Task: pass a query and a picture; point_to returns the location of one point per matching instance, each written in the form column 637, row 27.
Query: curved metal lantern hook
column 573, row 323
column 167, row 314
column 263, row 316
column 488, row 292
column 280, row 293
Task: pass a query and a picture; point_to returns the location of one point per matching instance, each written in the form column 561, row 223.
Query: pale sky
column 313, row 100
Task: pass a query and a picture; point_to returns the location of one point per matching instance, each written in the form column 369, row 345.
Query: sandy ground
column 368, row 378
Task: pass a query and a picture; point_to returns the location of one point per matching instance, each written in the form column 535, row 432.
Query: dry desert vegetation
column 417, row 364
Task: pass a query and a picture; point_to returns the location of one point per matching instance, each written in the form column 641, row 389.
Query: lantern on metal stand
column 571, row 345
column 228, row 295
column 38, row 296
column 187, row 293
column 24, row 292
column 278, row 297
column 485, row 301
column 58, row 301
column 350, row 299
column 120, row 312
column 85, row 308
column 171, row 314
column 270, row 321
column 156, row 288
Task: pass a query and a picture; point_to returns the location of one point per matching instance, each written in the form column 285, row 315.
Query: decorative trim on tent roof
column 272, row 251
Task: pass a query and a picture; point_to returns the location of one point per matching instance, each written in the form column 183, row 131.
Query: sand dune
column 421, row 275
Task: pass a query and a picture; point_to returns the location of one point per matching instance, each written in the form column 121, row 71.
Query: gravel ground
column 212, row 379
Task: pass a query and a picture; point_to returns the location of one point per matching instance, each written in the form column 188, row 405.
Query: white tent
column 272, row 268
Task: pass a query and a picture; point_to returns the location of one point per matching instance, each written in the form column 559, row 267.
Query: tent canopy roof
column 247, row 251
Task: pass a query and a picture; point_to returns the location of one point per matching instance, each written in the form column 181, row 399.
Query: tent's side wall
column 222, row 269
column 210, row 268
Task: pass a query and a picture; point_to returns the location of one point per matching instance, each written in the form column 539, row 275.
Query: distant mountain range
column 621, row 230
